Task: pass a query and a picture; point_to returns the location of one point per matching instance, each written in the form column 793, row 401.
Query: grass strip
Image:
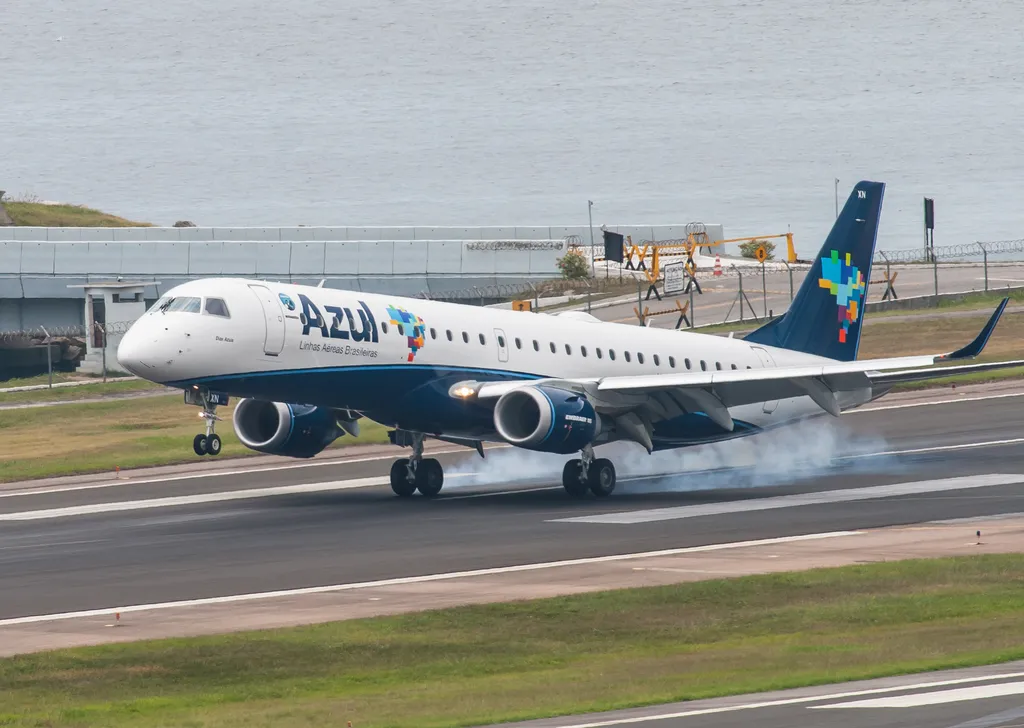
column 38, row 214
column 130, row 433
column 474, row 665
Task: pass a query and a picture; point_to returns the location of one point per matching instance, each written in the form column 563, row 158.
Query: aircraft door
column 273, row 317
column 767, row 362
column 502, row 342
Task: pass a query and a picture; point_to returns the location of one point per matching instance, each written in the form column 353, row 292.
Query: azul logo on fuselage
column 313, row 319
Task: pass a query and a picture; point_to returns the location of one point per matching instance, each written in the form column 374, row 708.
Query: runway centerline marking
column 402, row 581
column 939, row 697
column 651, row 515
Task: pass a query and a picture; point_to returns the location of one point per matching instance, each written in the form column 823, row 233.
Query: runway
column 100, row 546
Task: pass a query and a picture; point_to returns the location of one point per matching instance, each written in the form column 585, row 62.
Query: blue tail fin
column 827, row 312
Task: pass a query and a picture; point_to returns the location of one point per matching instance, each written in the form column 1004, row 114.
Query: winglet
column 974, row 348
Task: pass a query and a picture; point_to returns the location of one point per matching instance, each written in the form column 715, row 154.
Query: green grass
column 39, row 215
column 129, row 433
column 502, row 662
column 99, row 389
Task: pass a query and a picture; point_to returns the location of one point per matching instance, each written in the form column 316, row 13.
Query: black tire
column 199, row 444
column 212, row 446
column 400, row 482
column 429, row 477
column 601, row 477
column 571, row 479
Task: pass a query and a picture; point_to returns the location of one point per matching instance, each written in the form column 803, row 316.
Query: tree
column 749, row 249
column 574, row 266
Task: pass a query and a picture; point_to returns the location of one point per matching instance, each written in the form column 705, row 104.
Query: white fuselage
column 394, row 358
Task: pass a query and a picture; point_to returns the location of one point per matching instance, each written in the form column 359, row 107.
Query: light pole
column 837, row 198
column 590, row 217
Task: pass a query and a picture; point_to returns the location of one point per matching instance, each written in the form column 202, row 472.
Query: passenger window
column 552, row 345
column 718, row 365
column 583, row 350
column 465, row 337
column 217, row 307
column 401, row 330
column 703, row 365
column 657, row 361
column 519, row 344
column 568, row 350
column 449, row 332
column 384, row 327
column 482, row 339
column 501, row 341
column 611, row 354
column 640, row 357
column 733, row 366
column 687, row 363
column 433, row 333
column 672, row 362
column 625, row 354
column 536, row 346
column 598, row 350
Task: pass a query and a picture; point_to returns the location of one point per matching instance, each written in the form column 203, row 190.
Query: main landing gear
column 589, row 474
column 208, row 443
column 416, row 473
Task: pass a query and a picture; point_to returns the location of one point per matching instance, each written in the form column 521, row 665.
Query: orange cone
column 718, row 265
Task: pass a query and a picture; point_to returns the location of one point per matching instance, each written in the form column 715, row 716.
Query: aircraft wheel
column 429, row 477
column 571, row 479
column 199, row 444
column 400, row 478
column 601, row 477
column 212, row 446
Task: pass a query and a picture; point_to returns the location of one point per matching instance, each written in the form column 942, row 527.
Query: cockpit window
column 217, row 307
column 187, row 304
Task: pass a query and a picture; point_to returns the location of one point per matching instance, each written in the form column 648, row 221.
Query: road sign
column 761, row 254
column 675, row 277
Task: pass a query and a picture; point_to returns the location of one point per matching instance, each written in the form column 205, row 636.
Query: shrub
column 574, row 266
column 749, row 249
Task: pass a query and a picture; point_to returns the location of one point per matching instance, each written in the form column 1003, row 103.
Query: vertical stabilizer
column 826, row 315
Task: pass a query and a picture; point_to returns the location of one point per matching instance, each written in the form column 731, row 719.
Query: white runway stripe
column 917, row 700
column 230, row 599
column 919, row 487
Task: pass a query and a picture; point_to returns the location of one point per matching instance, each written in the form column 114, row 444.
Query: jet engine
column 295, row 430
column 546, row 419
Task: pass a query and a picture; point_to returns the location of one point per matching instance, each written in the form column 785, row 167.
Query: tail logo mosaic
column 412, row 326
column 846, row 282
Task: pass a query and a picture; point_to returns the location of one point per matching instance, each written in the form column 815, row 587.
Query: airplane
column 310, row 362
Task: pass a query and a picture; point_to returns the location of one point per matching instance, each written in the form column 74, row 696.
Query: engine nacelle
column 295, row 430
column 546, row 419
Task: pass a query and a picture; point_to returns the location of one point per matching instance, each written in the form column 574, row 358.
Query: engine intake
column 546, row 419
column 295, row 430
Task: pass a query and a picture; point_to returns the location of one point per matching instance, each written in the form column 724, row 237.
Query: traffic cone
column 718, row 265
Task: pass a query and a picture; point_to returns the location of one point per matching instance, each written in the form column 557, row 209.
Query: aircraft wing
column 832, row 386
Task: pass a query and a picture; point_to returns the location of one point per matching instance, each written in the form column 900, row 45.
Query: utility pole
column 590, row 217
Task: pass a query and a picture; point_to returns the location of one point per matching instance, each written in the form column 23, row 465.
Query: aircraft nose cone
column 131, row 350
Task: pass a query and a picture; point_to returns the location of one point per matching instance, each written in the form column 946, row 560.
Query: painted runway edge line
column 401, row 581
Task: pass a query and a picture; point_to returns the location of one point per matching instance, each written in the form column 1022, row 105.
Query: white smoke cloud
column 805, row 449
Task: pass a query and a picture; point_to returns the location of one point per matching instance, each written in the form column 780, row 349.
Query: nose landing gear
column 207, row 443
